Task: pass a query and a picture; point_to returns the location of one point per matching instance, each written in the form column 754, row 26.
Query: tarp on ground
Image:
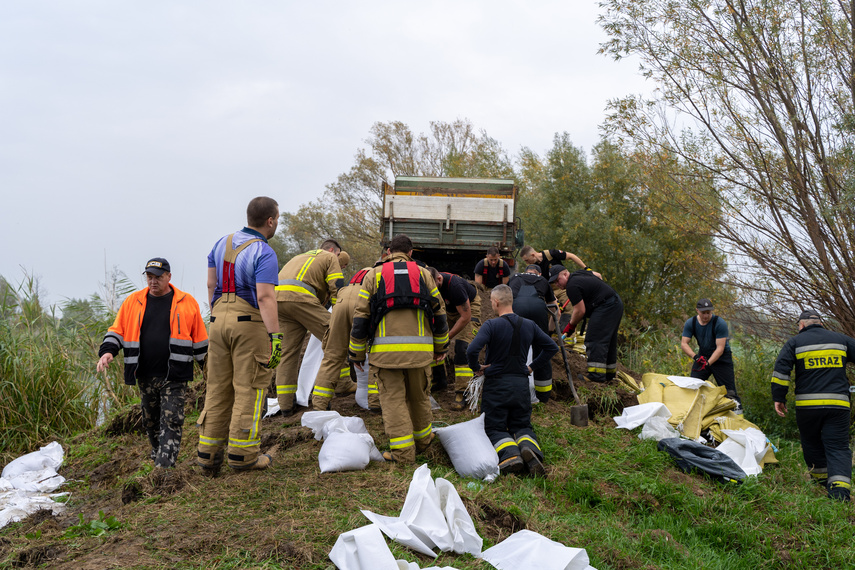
column 693, row 456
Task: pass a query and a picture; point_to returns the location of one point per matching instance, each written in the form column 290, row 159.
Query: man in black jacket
column 533, row 299
column 506, row 401
column 819, row 357
column 591, row 297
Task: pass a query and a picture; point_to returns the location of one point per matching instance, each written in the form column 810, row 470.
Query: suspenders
column 229, row 258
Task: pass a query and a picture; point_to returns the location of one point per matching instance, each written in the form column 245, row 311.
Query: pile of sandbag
column 26, row 484
column 678, row 406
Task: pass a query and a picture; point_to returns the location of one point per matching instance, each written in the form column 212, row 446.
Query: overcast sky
column 130, row 130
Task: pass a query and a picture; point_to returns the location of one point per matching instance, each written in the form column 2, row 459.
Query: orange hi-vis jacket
column 309, row 277
column 188, row 338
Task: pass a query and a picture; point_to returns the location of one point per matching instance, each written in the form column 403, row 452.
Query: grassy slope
column 607, row 492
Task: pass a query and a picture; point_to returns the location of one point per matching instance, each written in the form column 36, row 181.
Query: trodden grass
column 607, row 491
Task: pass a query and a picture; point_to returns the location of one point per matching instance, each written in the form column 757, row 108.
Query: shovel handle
column 566, row 363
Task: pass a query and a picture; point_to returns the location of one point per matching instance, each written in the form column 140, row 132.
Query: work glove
column 569, row 329
column 352, row 358
column 275, row 349
column 700, row 362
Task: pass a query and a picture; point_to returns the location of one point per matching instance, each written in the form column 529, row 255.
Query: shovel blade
column 579, row 415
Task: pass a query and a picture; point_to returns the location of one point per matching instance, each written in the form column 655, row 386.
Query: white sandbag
column 433, row 516
column 36, row 471
column 657, row 428
column 746, row 447
column 532, row 391
column 363, row 548
column 421, row 524
column 362, row 385
column 272, row 407
column 527, row 549
column 317, row 420
column 309, row 370
column 464, row 536
column 324, row 424
column 26, row 482
column 343, row 451
column 687, row 382
column 634, row 416
column 404, row 565
column 470, row 449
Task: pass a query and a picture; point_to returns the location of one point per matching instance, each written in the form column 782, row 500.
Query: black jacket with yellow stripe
column 819, row 357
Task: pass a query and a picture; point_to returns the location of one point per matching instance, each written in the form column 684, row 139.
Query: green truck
column 452, row 221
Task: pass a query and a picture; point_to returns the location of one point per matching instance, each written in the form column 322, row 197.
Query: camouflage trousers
column 163, row 417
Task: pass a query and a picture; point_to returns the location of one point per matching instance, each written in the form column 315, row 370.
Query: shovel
column 579, row 412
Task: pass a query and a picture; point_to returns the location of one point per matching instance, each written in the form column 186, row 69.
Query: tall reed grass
column 48, row 385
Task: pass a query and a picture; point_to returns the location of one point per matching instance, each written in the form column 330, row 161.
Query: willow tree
column 756, row 96
column 613, row 215
column 351, row 207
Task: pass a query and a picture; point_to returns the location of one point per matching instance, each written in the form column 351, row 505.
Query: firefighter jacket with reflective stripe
column 404, row 337
column 310, row 277
column 188, row 339
column 819, row 357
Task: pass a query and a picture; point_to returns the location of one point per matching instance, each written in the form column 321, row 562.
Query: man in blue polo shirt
column 713, row 356
column 245, row 343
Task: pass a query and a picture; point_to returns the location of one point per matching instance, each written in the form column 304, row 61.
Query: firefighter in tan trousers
column 400, row 312
column 305, row 283
column 335, row 369
column 245, row 343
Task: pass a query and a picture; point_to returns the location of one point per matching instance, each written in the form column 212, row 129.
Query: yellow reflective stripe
column 839, row 403
column 215, row 441
column 356, row 346
column 401, row 348
column 423, row 433
column 372, row 389
column 244, row 442
column 364, row 294
column 595, row 369
column 813, row 353
column 305, row 267
column 286, row 389
column 295, row 289
column 506, row 444
column 440, row 339
column 547, row 388
column 344, row 372
column 321, row 391
column 420, row 316
column 257, row 413
column 401, row 442
column 781, row 382
column 434, row 292
column 462, row 371
column 332, row 276
column 528, row 439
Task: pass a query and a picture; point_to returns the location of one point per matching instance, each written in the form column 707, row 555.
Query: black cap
column 157, row 266
column 808, row 315
column 534, row 267
column 555, row 271
column 705, row 305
